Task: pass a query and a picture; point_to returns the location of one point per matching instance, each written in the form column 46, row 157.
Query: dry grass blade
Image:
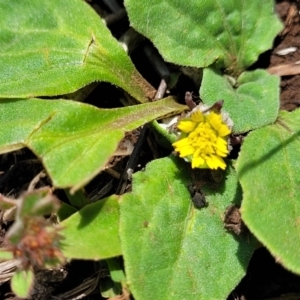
column 7, row 269
column 125, row 295
column 285, row 69
column 81, row 291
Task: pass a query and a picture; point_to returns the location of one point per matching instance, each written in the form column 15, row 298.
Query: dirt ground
column 287, row 64
column 265, row 279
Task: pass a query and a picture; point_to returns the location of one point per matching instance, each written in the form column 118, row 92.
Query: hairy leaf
column 252, row 101
column 74, row 140
column 21, row 283
column 199, row 33
column 173, row 250
column 268, row 169
column 93, row 232
column 55, row 47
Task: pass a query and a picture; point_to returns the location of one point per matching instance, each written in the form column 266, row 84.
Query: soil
column 290, row 37
column 265, row 278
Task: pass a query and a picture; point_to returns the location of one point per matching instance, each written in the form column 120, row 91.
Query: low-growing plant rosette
column 39, row 244
column 203, row 138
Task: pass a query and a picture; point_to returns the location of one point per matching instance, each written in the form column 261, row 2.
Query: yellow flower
column 204, row 139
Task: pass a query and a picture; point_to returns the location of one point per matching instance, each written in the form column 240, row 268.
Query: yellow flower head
column 204, row 139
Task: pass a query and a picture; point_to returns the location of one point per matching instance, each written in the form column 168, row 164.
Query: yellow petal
column 186, row 125
column 215, row 162
column 197, row 116
column 220, row 153
column 203, row 140
column 186, row 151
column 221, row 146
column 215, row 120
column 210, row 162
column 224, row 130
column 197, row 153
column 181, row 143
column 222, row 164
column 198, row 162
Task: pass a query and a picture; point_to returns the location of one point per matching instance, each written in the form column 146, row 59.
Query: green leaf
column 55, row 47
column 115, row 270
column 93, row 232
column 173, row 250
column 21, row 283
column 232, row 32
column 37, row 203
column 252, row 102
column 268, row 169
column 7, row 203
column 31, row 204
column 65, row 211
column 78, row 199
column 6, row 255
column 73, row 140
column 109, row 288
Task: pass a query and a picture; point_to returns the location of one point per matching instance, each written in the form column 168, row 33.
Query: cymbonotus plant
column 172, row 248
